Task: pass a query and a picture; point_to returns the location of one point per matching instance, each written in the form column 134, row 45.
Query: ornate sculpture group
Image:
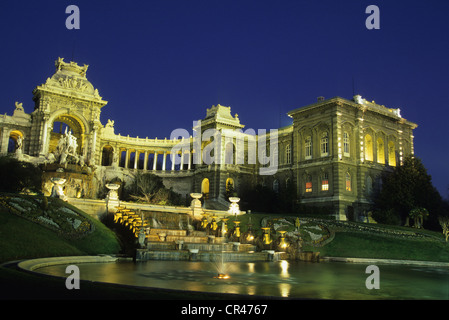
column 66, row 151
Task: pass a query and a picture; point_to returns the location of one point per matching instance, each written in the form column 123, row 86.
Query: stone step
column 168, row 232
column 193, row 239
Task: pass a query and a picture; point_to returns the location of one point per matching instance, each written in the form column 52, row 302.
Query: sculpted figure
column 19, row 106
column 110, row 123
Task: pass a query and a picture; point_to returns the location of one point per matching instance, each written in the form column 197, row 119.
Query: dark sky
column 160, row 64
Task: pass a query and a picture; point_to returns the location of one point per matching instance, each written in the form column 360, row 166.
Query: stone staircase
column 169, row 239
column 168, row 243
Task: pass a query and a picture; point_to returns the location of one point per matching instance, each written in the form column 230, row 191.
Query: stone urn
column 196, row 204
column 112, row 197
column 234, row 207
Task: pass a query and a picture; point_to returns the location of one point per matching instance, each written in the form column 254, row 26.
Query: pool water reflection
column 280, row 279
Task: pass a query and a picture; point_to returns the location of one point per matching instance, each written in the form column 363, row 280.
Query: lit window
column 325, row 182
column 368, row 148
column 324, row 144
column 346, row 144
column 309, row 184
column 391, row 154
column 288, row 154
column 380, row 151
column 348, row 182
column 308, row 146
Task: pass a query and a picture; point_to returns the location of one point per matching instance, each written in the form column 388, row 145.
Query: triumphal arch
column 333, row 153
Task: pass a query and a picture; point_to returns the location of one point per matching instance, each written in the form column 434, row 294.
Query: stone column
column 164, row 160
column 155, row 160
column 95, row 127
column 190, row 161
column 182, row 161
column 127, row 158
column 5, row 140
column 136, row 158
column 45, row 133
column 145, row 161
column 173, row 164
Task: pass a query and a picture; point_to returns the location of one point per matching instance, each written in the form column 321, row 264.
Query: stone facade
column 333, row 152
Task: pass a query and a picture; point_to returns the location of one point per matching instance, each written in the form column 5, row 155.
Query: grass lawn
column 21, row 238
column 351, row 244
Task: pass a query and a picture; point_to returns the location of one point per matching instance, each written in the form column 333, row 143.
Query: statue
column 67, row 146
column 19, row 106
column 115, row 157
column 18, row 151
column 19, row 144
column 110, row 124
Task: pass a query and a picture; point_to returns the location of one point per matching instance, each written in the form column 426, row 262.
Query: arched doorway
column 229, row 188
column 205, row 188
column 107, row 155
column 63, row 124
column 15, row 140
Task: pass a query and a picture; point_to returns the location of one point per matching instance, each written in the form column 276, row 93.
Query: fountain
column 237, row 229
column 224, row 227
column 57, row 190
column 282, row 243
column 266, row 235
column 214, row 223
column 249, row 236
column 234, row 207
column 204, row 221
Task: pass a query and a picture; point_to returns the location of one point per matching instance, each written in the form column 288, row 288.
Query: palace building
column 333, row 153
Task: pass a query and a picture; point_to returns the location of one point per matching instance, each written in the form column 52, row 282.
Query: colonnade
column 133, row 158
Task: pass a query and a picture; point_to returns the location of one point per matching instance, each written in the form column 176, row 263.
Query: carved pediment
column 70, row 79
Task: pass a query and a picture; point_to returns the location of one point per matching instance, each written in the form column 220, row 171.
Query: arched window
column 346, row 144
column 308, row 147
column 288, row 154
column 369, row 185
column 324, row 144
column 368, row 148
column 380, row 151
column 325, row 182
column 309, row 183
column 107, row 155
column 230, row 153
column 276, row 185
column 348, row 182
column 391, row 154
column 15, row 141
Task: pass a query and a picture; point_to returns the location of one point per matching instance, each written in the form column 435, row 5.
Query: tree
column 418, row 215
column 17, row 176
column 149, row 188
column 406, row 188
column 145, row 186
column 444, row 222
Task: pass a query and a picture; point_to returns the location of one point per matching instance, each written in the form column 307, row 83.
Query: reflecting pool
column 279, row 279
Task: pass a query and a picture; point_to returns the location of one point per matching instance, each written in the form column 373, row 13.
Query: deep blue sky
column 160, row 64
